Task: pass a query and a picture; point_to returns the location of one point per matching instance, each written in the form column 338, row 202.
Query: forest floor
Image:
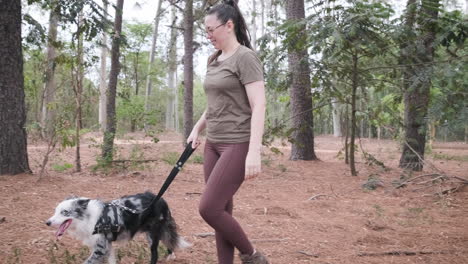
column 295, row 211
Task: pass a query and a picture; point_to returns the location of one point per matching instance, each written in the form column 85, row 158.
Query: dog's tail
column 171, row 238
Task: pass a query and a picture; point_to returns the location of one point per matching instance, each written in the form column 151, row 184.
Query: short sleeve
column 250, row 68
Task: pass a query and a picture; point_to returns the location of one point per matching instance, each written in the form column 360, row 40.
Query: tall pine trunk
column 188, row 68
column 103, row 77
column 13, row 140
column 171, row 108
column 111, row 127
column 417, row 88
column 300, row 90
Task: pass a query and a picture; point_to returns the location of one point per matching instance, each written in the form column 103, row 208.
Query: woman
column 234, row 121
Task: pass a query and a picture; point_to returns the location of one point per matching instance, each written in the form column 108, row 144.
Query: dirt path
column 342, row 223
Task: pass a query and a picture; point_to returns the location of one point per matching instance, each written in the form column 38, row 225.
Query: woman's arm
column 256, row 94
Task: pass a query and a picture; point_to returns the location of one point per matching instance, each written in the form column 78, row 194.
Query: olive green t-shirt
column 228, row 112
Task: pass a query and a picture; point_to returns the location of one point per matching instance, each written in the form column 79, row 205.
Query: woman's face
column 216, row 31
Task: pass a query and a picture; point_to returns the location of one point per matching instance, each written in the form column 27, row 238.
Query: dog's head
column 69, row 210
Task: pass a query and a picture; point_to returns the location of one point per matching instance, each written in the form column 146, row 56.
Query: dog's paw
column 172, row 256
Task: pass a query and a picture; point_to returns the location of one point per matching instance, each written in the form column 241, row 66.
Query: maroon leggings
column 224, row 167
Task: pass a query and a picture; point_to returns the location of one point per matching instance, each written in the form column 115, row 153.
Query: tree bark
column 300, row 90
column 149, row 83
column 79, row 94
column 109, row 135
column 13, row 139
column 253, row 31
column 416, row 90
column 188, row 68
column 337, row 131
column 103, row 77
column 352, row 164
column 171, row 108
column 48, row 110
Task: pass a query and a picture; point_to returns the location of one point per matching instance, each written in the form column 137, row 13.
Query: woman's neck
column 230, row 49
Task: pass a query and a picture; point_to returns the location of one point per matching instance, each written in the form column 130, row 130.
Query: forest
column 365, row 144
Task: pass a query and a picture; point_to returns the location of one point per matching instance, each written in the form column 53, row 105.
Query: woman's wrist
column 255, row 149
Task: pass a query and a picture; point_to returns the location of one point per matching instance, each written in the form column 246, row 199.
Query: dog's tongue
column 62, row 228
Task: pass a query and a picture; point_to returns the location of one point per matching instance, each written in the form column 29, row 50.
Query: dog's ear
column 83, row 203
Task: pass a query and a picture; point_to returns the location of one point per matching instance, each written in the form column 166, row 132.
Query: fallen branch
column 308, row 254
column 135, row 161
column 317, row 196
column 399, row 253
column 269, row 240
column 203, row 235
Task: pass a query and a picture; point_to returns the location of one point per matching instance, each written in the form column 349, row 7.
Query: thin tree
column 109, row 135
column 48, row 111
column 103, row 76
column 300, row 89
column 13, row 139
column 78, row 76
column 152, row 54
column 171, row 109
column 188, row 68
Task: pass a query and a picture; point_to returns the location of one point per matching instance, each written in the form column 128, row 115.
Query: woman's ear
column 230, row 25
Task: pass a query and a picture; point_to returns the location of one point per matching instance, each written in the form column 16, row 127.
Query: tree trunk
column 151, row 59
column 253, row 28
column 352, row 164
column 416, row 93
column 188, row 68
column 300, row 90
column 262, row 4
column 13, row 139
column 48, row 110
column 466, row 126
column 337, row 132
column 79, row 94
column 171, row 109
column 109, row 135
column 347, row 135
column 103, row 77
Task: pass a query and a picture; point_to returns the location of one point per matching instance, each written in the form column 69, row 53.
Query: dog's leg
column 112, row 259
column 100, row 251
column 153, row 238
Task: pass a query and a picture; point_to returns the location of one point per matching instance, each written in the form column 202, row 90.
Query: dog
column 97, row 224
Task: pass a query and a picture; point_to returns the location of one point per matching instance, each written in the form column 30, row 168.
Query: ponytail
column 228, row 10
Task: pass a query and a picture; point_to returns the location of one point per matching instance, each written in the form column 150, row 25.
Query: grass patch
column 441, row 156
column 198, row 159
column 62, row 167
column 171, row 157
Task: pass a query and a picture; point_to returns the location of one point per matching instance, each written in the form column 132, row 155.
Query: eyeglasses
column 211, row 31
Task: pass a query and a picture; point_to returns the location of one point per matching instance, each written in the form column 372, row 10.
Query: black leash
column 178, row 166
column 104, row 225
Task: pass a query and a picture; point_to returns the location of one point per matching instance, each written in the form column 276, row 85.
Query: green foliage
column 15, row 257
column 62, row 167
column 171, row 157
column 442, row 156
column 198, row 159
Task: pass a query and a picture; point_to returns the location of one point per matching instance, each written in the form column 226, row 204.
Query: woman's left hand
column 252, row 165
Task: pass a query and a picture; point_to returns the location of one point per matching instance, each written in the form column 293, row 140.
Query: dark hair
column 228, row 10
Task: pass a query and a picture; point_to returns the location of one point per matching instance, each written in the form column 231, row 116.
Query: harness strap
column 104, row 225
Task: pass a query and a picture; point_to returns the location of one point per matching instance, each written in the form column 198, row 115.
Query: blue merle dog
column 97, row 224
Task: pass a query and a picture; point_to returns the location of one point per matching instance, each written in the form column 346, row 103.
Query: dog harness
column 108, row 222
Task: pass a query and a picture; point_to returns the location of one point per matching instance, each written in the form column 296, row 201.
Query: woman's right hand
column 193, row 137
